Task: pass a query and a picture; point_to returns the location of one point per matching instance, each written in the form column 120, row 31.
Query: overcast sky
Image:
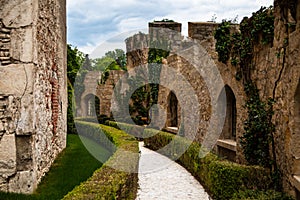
column 92, row 22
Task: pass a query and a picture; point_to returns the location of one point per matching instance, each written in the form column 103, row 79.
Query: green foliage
column 75, row 60
column 133, row 130
column 100, row 64
column 222, row 179
column 157, row 52
column 106, row 182
column 237, row 46
column 66, row 172
column 113, row 60
column 223, row 44
column 140, row 103
column 70, row 117
column 258, row 127
column 119, row 56
column 260, row 26
column 260, row 195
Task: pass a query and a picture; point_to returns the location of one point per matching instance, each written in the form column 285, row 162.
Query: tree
column 113, row 60
column 75, row 60
column 119, row 56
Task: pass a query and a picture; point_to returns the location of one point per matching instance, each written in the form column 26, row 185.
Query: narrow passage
column 161, row 178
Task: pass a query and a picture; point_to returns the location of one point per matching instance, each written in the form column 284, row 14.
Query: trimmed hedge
column 134, row 130
column 222, row 179
column 107, row 182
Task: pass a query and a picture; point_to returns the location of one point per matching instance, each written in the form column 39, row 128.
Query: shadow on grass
column 73, row 166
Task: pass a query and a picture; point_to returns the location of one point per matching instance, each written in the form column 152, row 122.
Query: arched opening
column 92, row 103
column 226, row 145
column 172, row 110
column 229, row 129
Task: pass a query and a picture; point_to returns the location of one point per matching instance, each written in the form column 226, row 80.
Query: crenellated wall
column 33, row 92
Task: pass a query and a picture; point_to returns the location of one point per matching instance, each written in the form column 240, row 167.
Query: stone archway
column 229, row 129
column 172, row 110
column 91, row 106
column 227, row 145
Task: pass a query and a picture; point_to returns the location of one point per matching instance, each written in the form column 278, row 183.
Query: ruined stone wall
column 137, row 50
column 203, row 34
column 103, row 91
column 32, row 89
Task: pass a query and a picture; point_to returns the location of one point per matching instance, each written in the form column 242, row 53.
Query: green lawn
column 73, row 166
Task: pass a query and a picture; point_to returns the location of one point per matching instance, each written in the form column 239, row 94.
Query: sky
column 103, row 25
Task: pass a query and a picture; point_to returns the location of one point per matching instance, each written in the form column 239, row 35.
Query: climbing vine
column 237, row 47
column 223, row 44
column 258, row 128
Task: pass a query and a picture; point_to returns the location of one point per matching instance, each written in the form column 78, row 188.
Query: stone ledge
column 172, row 129
column 296, row 182
column 227, row 144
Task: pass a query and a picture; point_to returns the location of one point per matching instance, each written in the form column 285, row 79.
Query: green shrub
column 133, row 130
column 107, row 182
column 87, row 119
column 260, row 195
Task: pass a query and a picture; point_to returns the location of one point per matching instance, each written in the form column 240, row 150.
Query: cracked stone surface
column 161, row 178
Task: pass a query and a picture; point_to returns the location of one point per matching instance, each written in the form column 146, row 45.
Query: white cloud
column 91, row 22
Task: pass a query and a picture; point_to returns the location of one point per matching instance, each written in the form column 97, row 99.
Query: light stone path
column 168, row 180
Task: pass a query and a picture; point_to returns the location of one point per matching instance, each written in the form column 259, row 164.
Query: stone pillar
column 33, row 91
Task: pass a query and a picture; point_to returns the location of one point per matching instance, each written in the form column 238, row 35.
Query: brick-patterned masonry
column 4, row 44
column 33, row 92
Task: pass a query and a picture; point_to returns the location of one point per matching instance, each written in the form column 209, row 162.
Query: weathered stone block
column 24, row 152
column 16, row 79
column 18, row 13
column 7, row 156
column 22, row 44
column 23, row 182
column 25, row 124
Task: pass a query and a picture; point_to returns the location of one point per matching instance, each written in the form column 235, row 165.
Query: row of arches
column 229, row 129
column 92, row 103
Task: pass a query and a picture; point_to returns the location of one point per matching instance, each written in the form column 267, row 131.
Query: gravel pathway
column 163, row 179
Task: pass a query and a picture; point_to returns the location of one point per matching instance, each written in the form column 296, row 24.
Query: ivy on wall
column 237, row 48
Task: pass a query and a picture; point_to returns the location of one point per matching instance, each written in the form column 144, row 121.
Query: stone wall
column 277, row 75
column 104, row 91
column 137, row 50
column 276, row 72
column 33, row 94
column 203, row 34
